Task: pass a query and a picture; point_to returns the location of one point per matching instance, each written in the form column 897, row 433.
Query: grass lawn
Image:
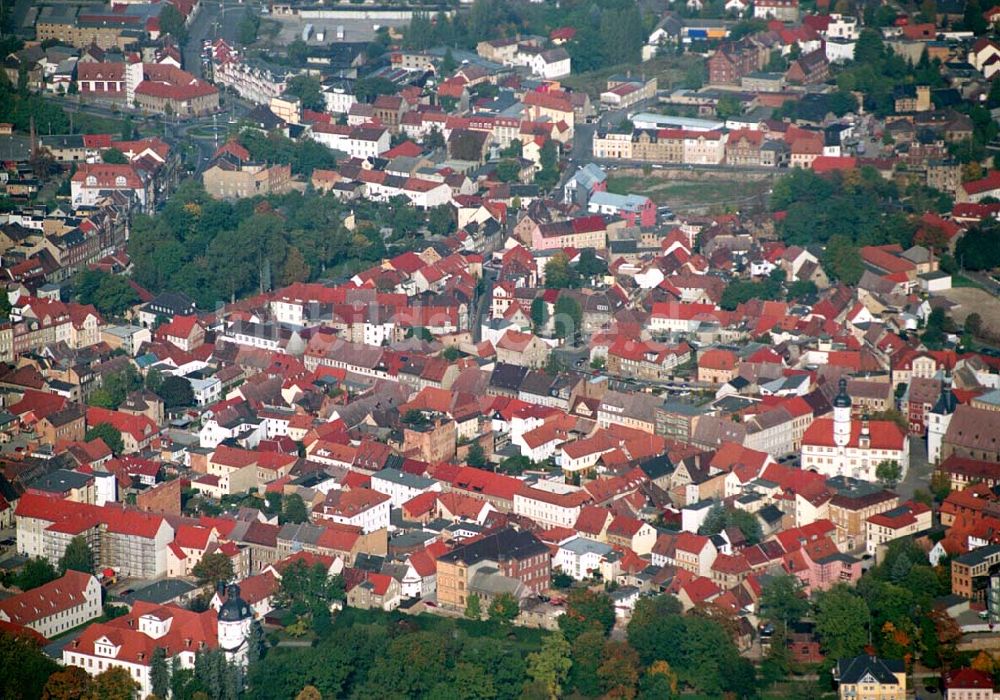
column 670, row 72
column 963, row 281
column 690, row 194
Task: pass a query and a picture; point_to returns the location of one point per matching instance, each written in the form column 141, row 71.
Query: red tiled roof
column 884, row 435
column 46, row 600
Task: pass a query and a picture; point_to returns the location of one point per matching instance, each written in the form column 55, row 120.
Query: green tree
column 549, row 667
column 508, row 170
column 841, row 258
column 514, row 150
column 782, row 600
column 473, row 610
column 568, row 317
column 172, row 23
column 590, row 265
column 549, row 160
column 972, row 18
column 619, row 670
column 111, row 436
column 176, row 392
column 115, row 683
column 477, row 456
column 159, row 673
column 656, row 622
column 295, row 509
column 888, row 471
column 586, row 609
column 719, row 518
column 448, row 63
column 116, row 387
column 976, row 250
column 539, row 314
column 802, row 290
column 154, row 380
column 586, row 654
column 367, row 89
column 870, row 49
column 248, row 27
column 26, row 668
column 974, row 324
column 298, row 52
column 113, row 156
column 659, row 682
column 434, row 139
column 741, row 291
column 934, row 332
column 77, row 556
column 440, row 220
column 213, row 568
column 295, row 269
column 71, row 683
column 36, row 572
column 309, row 91
column 504, row 608
column 728, row 106
column 841, row 622
column 559, row 274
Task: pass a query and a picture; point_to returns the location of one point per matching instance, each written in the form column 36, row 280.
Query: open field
column 670, row 72
column 693, row 196
column 978, row 300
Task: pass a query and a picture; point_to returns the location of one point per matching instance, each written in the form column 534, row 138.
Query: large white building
column 360, row 507
column 400, row 486
column 855, row 448
column 57, row 606
column 550, row 505
column 128, row 642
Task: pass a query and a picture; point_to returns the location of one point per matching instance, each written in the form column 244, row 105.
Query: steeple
column 234, row 620
column 843, row 399
column 946, row 403
column 939, row 419
column 842, row 416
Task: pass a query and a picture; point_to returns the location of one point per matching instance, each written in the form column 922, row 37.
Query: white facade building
column 855, row 448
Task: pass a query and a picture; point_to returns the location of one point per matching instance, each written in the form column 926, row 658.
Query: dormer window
column 91, row 181
column 120, row 181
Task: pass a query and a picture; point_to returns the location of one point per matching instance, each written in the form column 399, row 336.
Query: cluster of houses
column 456, row 423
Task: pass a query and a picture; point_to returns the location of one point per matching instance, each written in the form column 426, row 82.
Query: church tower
column 938, row 420
column 842, row 416
column 235, row 618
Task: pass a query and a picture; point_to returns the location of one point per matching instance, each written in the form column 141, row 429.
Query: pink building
column 633, row 208
column 819, row 565
column 579, row 233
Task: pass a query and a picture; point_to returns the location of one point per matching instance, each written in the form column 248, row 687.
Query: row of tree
column 842, row 212
column 891, row 609
column 369, row 654
column 608, row 32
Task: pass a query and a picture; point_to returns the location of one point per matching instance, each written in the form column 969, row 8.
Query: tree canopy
column 111, row 436
column 77, row 556
column 111, row 295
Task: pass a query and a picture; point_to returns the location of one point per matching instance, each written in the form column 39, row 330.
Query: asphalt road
column 918, row 476
column 215, row 20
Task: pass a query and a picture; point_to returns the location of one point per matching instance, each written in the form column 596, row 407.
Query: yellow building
column 871, row 678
